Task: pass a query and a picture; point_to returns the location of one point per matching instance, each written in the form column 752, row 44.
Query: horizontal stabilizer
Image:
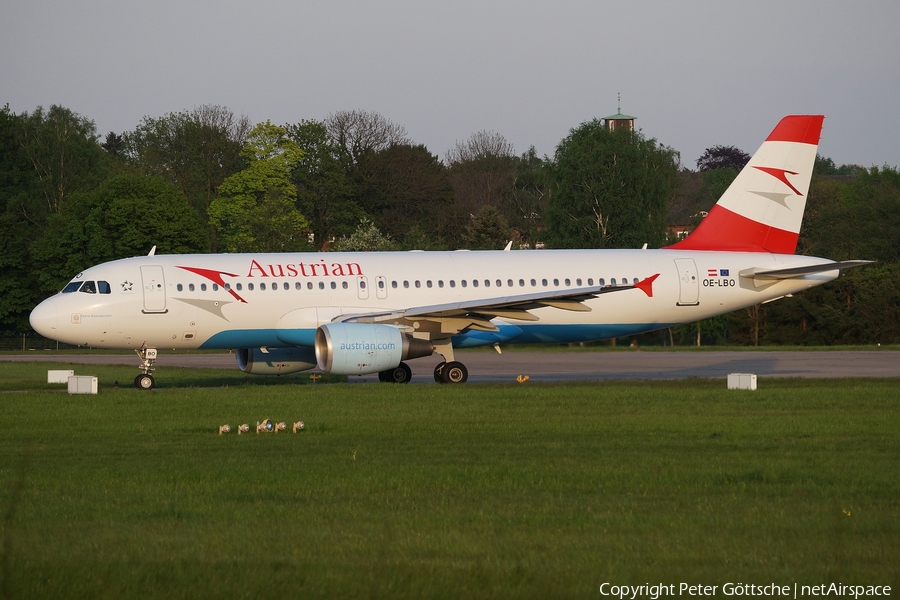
column 796, row 272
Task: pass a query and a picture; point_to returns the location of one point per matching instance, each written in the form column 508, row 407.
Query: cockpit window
column 88, row 287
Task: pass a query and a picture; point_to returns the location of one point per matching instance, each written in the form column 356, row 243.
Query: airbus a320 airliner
column 363, row 313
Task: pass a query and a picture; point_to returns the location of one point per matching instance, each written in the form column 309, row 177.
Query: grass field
column 473, row 491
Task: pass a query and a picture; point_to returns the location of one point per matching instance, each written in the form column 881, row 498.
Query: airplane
column 366, row 313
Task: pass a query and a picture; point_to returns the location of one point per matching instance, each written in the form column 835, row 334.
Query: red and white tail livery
column 363, row 313
column 762, row 209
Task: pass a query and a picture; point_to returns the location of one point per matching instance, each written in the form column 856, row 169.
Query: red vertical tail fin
column 762, row 209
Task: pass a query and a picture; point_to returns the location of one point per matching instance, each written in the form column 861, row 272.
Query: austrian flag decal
column 717, row 272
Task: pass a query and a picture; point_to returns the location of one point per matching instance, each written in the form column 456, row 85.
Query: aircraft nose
column 44, row 318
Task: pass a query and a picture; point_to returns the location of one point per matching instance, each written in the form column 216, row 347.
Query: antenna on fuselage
column 152, row 251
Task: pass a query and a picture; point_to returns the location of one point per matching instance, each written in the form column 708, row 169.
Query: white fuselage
column 278, row 300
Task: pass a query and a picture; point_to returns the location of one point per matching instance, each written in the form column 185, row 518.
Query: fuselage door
column 380, row 287
column 154, row 289
column 689, row 283
column 362, row 286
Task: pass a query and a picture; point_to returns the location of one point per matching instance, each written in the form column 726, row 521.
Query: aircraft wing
column 456, row 317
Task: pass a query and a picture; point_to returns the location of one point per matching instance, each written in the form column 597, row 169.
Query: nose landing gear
column 145, row 380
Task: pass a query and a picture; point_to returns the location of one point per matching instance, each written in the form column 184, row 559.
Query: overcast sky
column 696, row 73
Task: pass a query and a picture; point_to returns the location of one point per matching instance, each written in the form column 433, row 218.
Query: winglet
column 646, row 285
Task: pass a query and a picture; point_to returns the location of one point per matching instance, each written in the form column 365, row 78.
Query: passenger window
column 227, row 286
column 601, row 281
column 71, row 287
column 406, row 284
column 544, row 282
column 191, row 287
column 250, row 286
column 418, row 284
column 556, row 282
column 262, row 286
column 635, row 280
column 380, row 285
column 612, row 282
column 394, row 284
column 474, row 283
column 590, row 281
column 428, row 284
column 179, row 287
column 533, row 283
column 487, row 283
column 299, row 286
column 322, row 285
column 521, row 283
column 578, row 281
column 568, row 283
column 287, row 286
column 334, row 285
column 508, row 283
column 345, row 286
column 238, row 286
column 452, row 283
column 103, row 287
column 215, row 287
column 463, row 283
column 309, row 285
column 440, row 283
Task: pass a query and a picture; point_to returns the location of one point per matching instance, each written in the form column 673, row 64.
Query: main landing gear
column 446, row 372
column 400, row 374
column 145, row 380
column 451, row 372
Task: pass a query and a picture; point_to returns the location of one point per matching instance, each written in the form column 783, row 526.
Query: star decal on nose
column 126, row 286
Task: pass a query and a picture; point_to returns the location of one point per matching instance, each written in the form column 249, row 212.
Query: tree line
column 207, row 180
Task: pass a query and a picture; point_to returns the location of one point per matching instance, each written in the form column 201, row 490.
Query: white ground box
column 61, row 376
column 741, row 381
column 82, row 384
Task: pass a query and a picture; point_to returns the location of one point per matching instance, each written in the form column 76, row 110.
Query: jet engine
column 362, row 348
column 275, row 361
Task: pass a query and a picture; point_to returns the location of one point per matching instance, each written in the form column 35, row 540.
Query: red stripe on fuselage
column 728, row 231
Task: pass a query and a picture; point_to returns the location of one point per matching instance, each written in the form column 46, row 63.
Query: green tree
column 525, row 207
column 366, row 238
column 487, row 230
column 324, row 190
column 196, row 150
column 18, row 284
column 124, row 216
column 255, row 210
column 62, row 148
column 855, row 218
column 406, row 187
column 482, row 171
column 613, row 189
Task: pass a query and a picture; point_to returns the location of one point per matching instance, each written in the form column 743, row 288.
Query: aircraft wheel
column 402, row 374
column 383, row 376
column 437, row 372
column 144, row 382
column 454, row 372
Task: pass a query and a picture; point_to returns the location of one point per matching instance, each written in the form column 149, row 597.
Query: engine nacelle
column 275, row 361
column 362, row 348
